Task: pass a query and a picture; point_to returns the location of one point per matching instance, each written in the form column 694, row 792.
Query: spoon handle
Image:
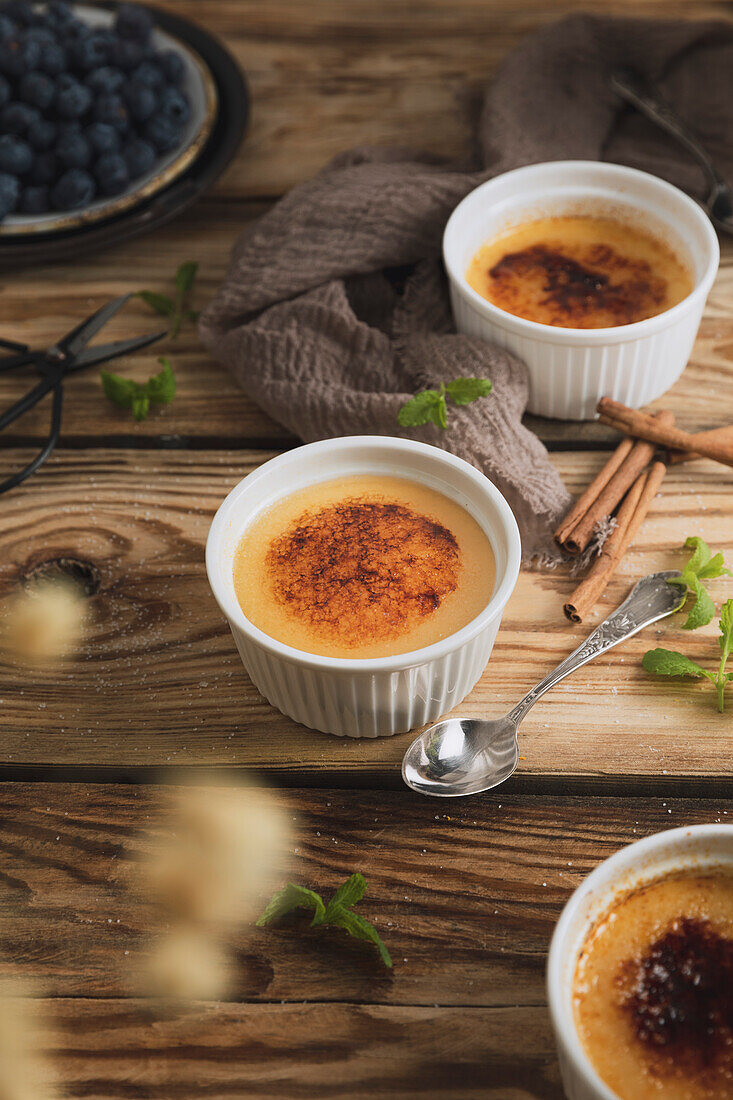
column 650, row 599
column 640, row 95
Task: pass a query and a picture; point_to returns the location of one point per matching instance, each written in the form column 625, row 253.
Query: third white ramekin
column 570, row 369
column 383, row 695
column 692, row 848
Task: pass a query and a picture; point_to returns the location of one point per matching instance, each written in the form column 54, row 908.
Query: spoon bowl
column 462, row 756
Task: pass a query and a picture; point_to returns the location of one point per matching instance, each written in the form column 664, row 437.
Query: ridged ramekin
column 571, row 369
column 380, row 696
column 674, row 850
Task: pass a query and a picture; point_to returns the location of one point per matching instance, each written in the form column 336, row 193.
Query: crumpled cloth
column 334, row 310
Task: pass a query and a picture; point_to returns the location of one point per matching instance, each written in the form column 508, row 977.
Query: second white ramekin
column 380, row 696
column 674, row 850
column 571, row 369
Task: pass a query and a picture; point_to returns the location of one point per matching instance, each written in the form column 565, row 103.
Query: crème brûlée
column 653, row 990
column 363, row 566
column 580, row 271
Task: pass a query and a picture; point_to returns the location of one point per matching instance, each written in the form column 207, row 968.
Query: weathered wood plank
column 159, row 681
column 465, row 896
column 105, row 1050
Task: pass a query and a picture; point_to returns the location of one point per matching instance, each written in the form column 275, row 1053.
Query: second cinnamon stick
column 644, row 426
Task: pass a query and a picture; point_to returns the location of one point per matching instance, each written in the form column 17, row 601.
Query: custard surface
column 653, row 990
column 580, row 272
column 363, row 566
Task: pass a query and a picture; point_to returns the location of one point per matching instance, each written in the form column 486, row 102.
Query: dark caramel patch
column 599, row 287
column 678, row 996
column 363, row 571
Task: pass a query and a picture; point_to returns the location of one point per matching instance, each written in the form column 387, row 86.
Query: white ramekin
column 380, row 696
column 570, row 369
column 690, row 848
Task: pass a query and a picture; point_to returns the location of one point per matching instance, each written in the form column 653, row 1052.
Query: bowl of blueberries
column 99, row 110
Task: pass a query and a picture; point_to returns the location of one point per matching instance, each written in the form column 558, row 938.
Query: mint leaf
column 701, row 555
column 714, row 568
column 159, row 303
column 185, row 276
column 427, row 407
column 462, row 391
column 703, row 608
column 348, row 894
column 668, row 662
column 119, row 390
column 140, row 406
column 726, row 629
column 293, row 897
column 161, row 388
column 361, row 929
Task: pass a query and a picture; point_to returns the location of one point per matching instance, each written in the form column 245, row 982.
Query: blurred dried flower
column 224, row 847
column 43, row 622
column 25, row 1072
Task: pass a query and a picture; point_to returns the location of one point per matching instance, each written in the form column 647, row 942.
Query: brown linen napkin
column 334, row 310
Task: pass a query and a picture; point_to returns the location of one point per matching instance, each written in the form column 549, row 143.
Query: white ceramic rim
column 635, row 853
column 606, row 172
column 399, row 661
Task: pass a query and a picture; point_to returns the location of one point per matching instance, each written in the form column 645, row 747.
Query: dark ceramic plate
column 221, row 122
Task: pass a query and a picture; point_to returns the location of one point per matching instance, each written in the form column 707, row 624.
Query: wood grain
column 108, row 1050
column 465, row 896
column 159, row 681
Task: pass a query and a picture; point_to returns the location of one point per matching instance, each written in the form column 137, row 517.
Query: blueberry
column 73, row 151
column 53, row 59
column 103, row 137
column 35, row 200
column 105, row 79
column 20, row 11
column 75, row 189
column 128, row 54
column 112, row 173
column 72, row 98
column 37, row 89
column 163, row 133
column 148, row 73
column 171, row 66
column 7, row 27
column 175, row 106
column 133, row 22
column 141, row 100
column 16, row 156
column 17, row 118
column 44, row 36
column 113, row 110
column 9, row 194
column 6, row 92
column 41, row 134
column 88, row 53
column 45, row 169
column 18, row 55
column 59, row 12
column 139, row 157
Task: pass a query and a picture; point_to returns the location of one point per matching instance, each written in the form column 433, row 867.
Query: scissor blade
column 13, row 345
column 104, row 352
column 80, row 336
column 22, row 359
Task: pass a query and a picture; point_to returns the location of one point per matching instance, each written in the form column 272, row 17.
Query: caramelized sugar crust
column 678, row 995
column 362, row 571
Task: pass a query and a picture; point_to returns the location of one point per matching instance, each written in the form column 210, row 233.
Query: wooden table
column 466, row 894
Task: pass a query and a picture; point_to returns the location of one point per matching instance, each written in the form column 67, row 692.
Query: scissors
column 69, row 354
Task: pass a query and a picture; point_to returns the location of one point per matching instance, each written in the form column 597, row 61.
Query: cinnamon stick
column 647, row 427
column 723, row 434
column 613, row 492
column 593, row 491
column 631, row 515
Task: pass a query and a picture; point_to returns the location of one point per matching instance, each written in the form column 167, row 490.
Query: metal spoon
column 465, row 756
column 633, row 88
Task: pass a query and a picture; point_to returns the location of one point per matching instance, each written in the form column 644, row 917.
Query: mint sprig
column 338, row 913
column 430, row 406
column 702, row 566
column 176, row 308
column 669, row 662
column 137, row 396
